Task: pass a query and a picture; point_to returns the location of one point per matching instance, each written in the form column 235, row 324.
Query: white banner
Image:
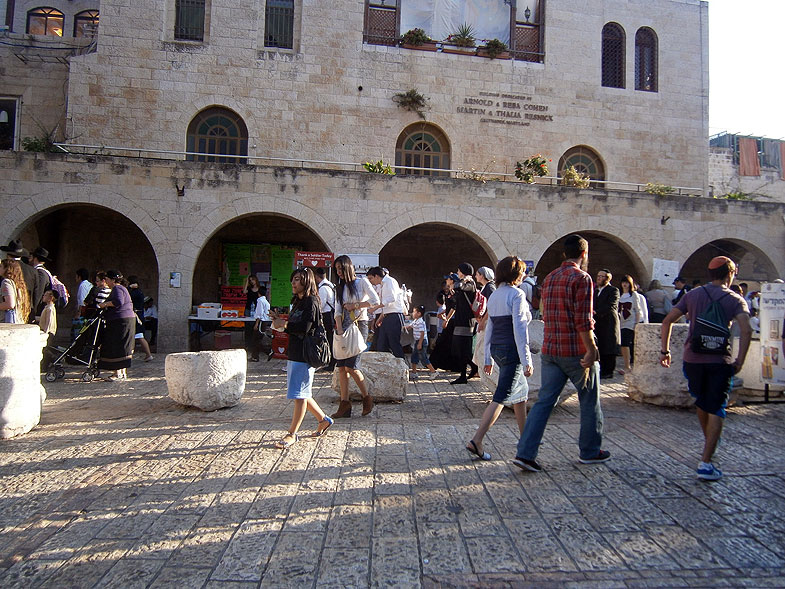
column 665, row 271
column 363, row 262
column 490, row 19
column 772, row 322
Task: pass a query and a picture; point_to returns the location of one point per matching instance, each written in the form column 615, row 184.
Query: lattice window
column 381, row 22
column 585, row 160
column 218, row 132
column 86, row 23
column 613, row 55
column 279, row 24
column 646, row 60
column 45, row 21
column 422, row 146
column 189, row 20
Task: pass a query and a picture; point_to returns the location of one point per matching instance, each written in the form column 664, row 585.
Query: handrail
column 354, row 166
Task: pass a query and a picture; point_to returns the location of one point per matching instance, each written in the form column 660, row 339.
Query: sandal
column 282, row 444
column 473, row 449
column 320, row 432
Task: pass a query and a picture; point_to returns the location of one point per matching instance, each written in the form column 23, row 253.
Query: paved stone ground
column 120, row 487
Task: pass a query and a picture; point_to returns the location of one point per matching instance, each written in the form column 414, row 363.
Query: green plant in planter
column 463, row 37
column 413, row 101
column 573, row 177
column 735, row 196
column 415, row 37
column 494, row 48
column 379, row 168
column 659, row 189
column 534, row 166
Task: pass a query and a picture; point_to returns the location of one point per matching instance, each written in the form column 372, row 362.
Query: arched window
column 613, row 55
column 45, row 21
column 585, row 160
column 219, row 132
column 86, row 23
column 646, row 60
column 422, row 146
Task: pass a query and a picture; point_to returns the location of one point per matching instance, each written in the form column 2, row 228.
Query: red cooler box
column 280, row 344
column 223, row 340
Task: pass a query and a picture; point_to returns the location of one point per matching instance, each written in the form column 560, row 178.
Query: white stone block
column 207, row 380
column 21, row 393
column 386, row 377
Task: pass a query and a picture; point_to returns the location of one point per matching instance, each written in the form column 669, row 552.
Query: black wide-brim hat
column 42, row 254
column 15, row 247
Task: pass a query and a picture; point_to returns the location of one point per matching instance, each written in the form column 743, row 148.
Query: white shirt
column 326, row 296
column 262, row 311
column 391, row 296
column 365, row 292
column 82, row 291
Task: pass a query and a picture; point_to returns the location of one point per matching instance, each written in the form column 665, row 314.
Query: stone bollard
column 536, row 336
column 386, row 377
column 649, row 382
column 207, row 380
column 21, row 392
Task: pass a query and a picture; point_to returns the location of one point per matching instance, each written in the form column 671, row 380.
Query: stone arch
column 470, row 224
column 754, row 263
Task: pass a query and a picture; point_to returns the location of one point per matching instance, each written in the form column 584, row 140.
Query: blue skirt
column 299, row 378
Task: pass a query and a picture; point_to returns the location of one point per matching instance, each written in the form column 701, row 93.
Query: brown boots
column 345, row 408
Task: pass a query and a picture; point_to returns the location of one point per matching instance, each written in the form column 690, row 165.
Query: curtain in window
column 440, row 18
column 749, row 164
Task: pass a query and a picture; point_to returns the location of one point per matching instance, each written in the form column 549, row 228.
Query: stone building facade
column 298, row 121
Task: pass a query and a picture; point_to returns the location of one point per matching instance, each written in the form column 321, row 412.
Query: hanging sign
column 313, row 259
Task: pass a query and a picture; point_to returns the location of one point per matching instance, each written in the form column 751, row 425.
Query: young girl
column 14, row 300
column 420, row 346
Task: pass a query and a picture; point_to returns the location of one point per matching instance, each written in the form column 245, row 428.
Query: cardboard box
column 209, row 311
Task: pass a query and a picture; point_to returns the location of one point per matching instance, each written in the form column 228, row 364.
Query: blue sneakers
column 709, row 473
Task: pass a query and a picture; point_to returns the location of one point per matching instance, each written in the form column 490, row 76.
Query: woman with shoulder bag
column 353, row 296
column 304, row 317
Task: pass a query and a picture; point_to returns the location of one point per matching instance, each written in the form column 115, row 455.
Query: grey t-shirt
column 694, row 302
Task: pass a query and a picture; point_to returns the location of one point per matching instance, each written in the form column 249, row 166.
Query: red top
column 567, row 295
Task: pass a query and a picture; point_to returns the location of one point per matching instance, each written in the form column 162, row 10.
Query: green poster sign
column 281, row 266
column 237, row 263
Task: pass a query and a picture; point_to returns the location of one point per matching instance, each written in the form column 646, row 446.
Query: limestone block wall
column 360, row 212
column 141, row 88
column 724, row 178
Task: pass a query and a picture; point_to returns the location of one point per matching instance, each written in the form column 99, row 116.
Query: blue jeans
column 555, row 371
column 511, row 379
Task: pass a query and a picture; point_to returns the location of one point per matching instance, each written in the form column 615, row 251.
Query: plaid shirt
column 567, row 295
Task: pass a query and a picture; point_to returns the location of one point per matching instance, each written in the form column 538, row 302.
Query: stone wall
column 724, row 178
column 357, row 212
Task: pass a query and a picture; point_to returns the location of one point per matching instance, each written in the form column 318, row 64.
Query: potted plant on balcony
column 418, row 39
column 494, row 49
column 461, row 41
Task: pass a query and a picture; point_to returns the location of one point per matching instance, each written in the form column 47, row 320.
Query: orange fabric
column 749, row 164
column 782, row 160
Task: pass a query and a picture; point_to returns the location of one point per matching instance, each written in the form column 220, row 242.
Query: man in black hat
column 681, row 288
column 40, row 256
column 15, row 251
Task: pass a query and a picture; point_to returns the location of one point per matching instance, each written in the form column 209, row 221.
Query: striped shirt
column 567, row 294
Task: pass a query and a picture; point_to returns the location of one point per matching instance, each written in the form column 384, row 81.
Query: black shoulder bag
column 316, row 348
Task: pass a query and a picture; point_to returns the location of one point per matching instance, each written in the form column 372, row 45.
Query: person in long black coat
column 606, row 322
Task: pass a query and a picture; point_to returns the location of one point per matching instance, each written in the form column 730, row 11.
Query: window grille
column 422, row 146
column 189, row 20
column 279, row 24
column 45, row 21
column 613, row 56
column 381, row 22
column 646, row 60
column 585, row 160
column 86, row 23
column 217, row 132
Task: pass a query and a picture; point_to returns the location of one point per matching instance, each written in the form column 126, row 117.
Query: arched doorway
column 754, row 265
column 254, row 229
column 422, row 255
column 605, row 251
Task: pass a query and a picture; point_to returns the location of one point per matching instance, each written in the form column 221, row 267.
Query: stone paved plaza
column 120, row 487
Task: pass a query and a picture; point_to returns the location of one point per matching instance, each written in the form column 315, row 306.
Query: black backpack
column 711, row 335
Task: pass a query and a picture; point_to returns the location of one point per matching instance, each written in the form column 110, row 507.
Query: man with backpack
column 708, row 364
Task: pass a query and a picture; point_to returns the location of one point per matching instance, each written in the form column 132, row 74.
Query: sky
column 746, row 75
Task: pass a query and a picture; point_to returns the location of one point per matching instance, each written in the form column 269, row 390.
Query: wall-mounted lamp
column 3, row 116
column 180, row 190
column 664, row 220
column 527, row 13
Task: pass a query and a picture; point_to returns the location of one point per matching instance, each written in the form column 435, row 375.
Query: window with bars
column 422, row 146
column 279, row 24
column 217, row 133
column 381, row 22
column 189, row 20
column 585, row 160
column 45, row 21
column 86, row 23
column 646, row 60
column 613, row 55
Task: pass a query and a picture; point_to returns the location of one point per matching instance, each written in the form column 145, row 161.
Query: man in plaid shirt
column 568, row 351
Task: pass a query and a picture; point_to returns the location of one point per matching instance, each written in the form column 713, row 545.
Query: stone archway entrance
column 605, row 251
column 421, row 255
column 96, row 238
column 754, row 264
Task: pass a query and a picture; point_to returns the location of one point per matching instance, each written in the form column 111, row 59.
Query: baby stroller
column 83, row 351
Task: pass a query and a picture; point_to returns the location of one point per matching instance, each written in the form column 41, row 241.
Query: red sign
column 313, row 259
